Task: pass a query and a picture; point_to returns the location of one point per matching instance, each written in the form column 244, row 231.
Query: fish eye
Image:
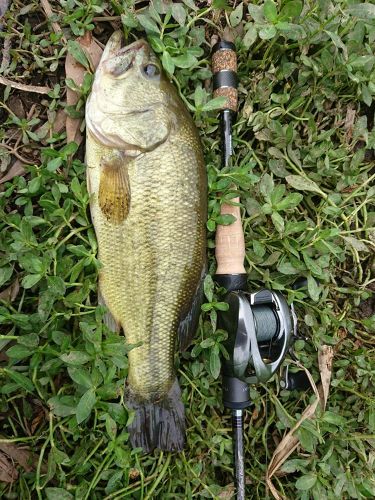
column 151, row 70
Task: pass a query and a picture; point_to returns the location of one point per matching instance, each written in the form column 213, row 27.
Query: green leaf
column 236, row 15
column 54, row 164
column 209, row 287
column 313, row 288
column 294, row 465
column 5, row 274
column 211, row 225
column 270, row 11
column 287, row 268
column 250, row 36
column 303, row 184
column 215, row 363
column 85, row 405
column 80, row 376
column 20, row 379
column 62, row 406
column 111, row 427
column 333, row 418
column 215, row 103
column 56, row 285
column 76, row 50
column 75, row 186
column 30, row 280
column 167, row 62
column 259, row 249
column 256, row 12
column 278, row 222
column 291, row 201
column 225, row 219
column 362, row 11
column 75, row 358
column 186, row 60
column 221, row 306
column 209, row 342
column 179, row 13
column 266, row 185
column 147, row 23
column 219, row 4
column 292, row 9
column 34, row 185
column 156, row 44
column 19, row 352
column 58, row 494
column 30, row 340
column 267, row 32
column 312, row 265
column 307, row 481
column 128, row 19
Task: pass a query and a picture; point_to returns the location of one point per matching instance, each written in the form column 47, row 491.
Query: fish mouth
column 118, row 58
column 116, row 48
column 133, row 47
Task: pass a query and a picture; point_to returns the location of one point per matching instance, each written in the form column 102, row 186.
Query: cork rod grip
column 230, row 243
column 224, row 69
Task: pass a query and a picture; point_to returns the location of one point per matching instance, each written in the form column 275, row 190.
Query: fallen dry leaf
column 10, row 455
column 10, row 293
column 22, row 456
column 38, row 420
column 349, row 123
column 8, row 473
column 76, row 72
column 290, row 441
column 16, row 169
column 228, row 492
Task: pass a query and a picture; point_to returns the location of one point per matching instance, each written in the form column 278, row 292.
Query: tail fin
column 160, row 424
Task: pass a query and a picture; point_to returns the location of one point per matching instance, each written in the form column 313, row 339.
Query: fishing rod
column 261, row 326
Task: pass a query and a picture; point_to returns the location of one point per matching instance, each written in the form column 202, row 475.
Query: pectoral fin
column 114, row 189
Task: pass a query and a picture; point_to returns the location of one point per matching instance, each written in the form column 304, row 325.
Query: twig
column 14, row 152
column 26, row 88
column 49, row 12
column 6, row 57
column 106, row 18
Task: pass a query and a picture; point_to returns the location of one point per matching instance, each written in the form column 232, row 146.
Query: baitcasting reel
column 261, row 328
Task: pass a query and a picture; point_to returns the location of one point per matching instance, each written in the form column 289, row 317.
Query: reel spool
column 260, row 329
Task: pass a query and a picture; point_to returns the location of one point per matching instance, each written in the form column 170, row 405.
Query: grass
column 304, row 163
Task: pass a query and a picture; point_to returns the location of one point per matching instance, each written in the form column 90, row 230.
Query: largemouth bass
column 146, row 177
